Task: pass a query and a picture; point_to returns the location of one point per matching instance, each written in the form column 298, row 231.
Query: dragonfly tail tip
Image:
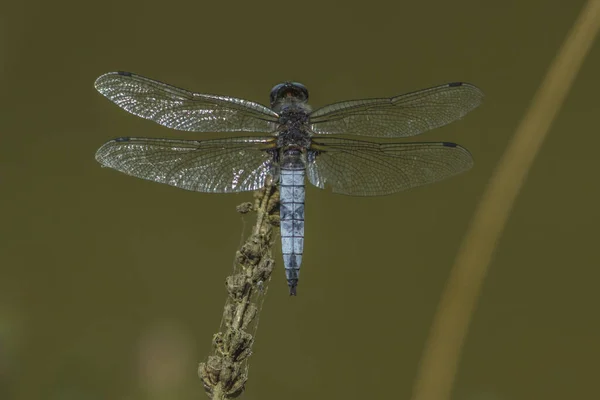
column 292, row 288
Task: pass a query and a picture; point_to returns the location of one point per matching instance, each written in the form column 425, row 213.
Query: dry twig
column 225, row 373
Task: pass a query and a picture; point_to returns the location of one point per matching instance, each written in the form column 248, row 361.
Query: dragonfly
column 298, row 144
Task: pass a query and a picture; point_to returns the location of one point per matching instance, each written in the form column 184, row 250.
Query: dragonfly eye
column 275, row 92
column 289, row 89
column 299, row 86
column 301, row 90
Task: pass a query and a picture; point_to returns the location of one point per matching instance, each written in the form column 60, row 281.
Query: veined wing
column 405, row 115
column 218, row 166
column 184, row 110
column 361, row 168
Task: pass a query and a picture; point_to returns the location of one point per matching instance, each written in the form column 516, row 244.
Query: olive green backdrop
column 112, row 287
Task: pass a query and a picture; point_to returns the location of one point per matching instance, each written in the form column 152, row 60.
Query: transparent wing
column 183, row 110
column 218, row 166
column 359, row 168
column 405, row 115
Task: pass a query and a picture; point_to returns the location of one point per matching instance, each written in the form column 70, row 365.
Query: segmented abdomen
column 291, row 187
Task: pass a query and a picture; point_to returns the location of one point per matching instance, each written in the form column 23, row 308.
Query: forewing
column 183, row 110
column 405, row 115
column 217, row 166
column 359, row 168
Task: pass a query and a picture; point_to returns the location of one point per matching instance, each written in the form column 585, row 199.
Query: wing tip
column 101, row 153
column 452, row 144
column 98, row 84
column 470, row 87
column 465, row 151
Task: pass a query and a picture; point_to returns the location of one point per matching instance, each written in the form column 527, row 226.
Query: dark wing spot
column 454, row 84
column 124, row 73
column 449, row 144
column 122, row 139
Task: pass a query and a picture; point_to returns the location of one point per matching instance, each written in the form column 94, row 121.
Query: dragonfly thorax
column 294, row 116
column 293, row 128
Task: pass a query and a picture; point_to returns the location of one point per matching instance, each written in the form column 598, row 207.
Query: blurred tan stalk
column 439, row 363
column 225, row 373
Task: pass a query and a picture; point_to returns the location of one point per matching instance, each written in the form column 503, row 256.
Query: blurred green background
column 111, row 287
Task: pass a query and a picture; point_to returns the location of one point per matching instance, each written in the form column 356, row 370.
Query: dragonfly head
column 287, row 93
